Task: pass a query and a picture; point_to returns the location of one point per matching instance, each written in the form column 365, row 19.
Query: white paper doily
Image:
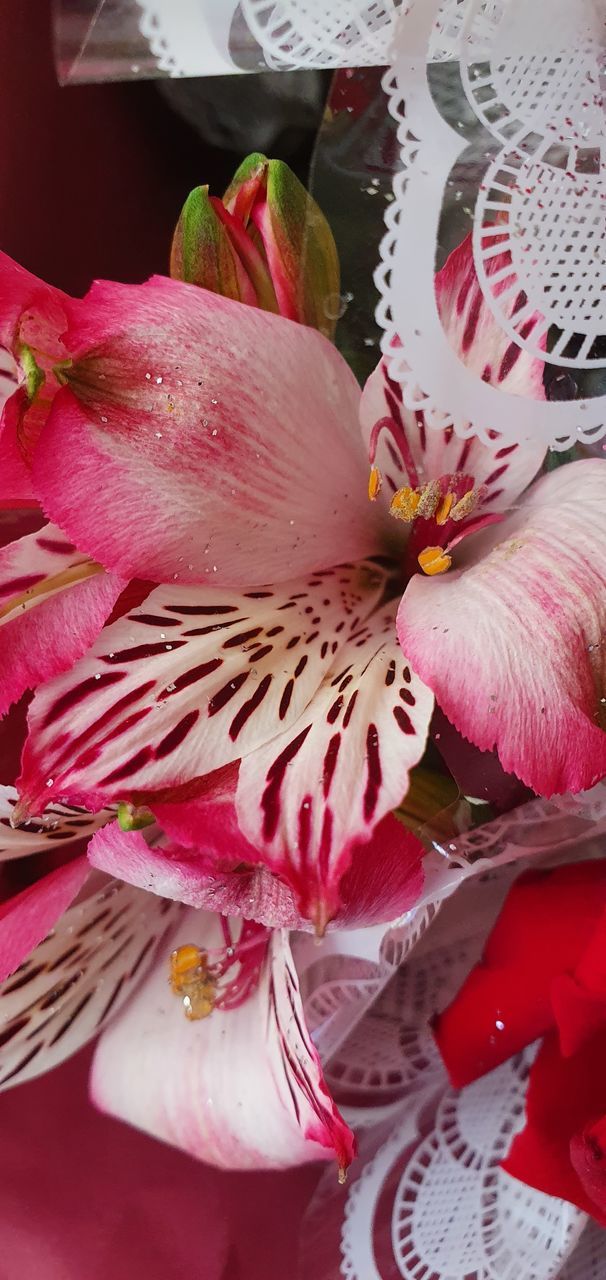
column 532, row 75
column 200, row 37
column 453, row 1213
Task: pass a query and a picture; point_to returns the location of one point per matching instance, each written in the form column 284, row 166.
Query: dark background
column 92, row 177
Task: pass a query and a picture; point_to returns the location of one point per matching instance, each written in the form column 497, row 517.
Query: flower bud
column 266, row 243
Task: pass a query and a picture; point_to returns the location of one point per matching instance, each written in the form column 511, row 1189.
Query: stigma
column 222, row 977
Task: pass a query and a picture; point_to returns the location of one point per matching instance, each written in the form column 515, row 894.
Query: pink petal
column 511, row 644
column 306, row 797
column 191, row 876
column 53, row 602
column 33, row 314
column 74, row 979
column 21, row 292
column 61, row 825
column 230, row 435
column 15, row 483
column 241, row 1089
column 188, row 682
column 26, row 919
column 384, row 880
column 409, row 451
column 15, row 479
column 478, row 339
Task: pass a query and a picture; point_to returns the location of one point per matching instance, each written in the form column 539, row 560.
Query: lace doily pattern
column 453, row 1213
column 207, row 37
column 532, row 75
column 432, row 1201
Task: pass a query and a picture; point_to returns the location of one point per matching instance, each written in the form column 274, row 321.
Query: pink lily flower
column 303, row 681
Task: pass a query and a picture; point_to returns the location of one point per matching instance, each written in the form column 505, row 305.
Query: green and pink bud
column 266, row 243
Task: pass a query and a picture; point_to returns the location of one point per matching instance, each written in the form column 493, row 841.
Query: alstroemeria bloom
column 543, row 973
column 231, row 437
column 243, row 1088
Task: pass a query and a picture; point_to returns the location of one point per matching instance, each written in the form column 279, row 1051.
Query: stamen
column 221, row 977
column 404, row 504
column 375, row 481
column 465, row 505
column 429, row 499
column 444, row 508
column 434, row 560
column 191, row 978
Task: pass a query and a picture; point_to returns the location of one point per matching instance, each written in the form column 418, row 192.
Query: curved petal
column 191, row 876
column 512, row 644
column 506, row 1002
column 565, row 1095
column 15, row 483
column 32, row 316
column 229, row 434
column 384, row 880
column 53, row 603
column 95, row 954
column 306, row 797
column 579, row 998
column 15, row 479
column 408, row 451
column 20, row 291
column 61, row 825
column 587, row 1150
column 241, row 1089
column 191, row 680
column 27, row 918
column 480, row 342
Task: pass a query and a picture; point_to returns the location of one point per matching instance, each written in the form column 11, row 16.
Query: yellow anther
column 191, row 979
column 434, row 560
column 374, row 483
column 444, row 509
column 429, row 499
column 404, row 504
column 465, row 505
column 185, row 962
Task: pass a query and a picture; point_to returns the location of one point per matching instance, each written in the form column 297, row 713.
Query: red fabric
column 92, row 177
column 83, row 1197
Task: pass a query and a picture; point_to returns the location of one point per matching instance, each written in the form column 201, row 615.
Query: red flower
column 543, row 972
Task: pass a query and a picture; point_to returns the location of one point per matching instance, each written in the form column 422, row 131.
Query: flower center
column 429, row 503
column 223, row 982
column 436, row 510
